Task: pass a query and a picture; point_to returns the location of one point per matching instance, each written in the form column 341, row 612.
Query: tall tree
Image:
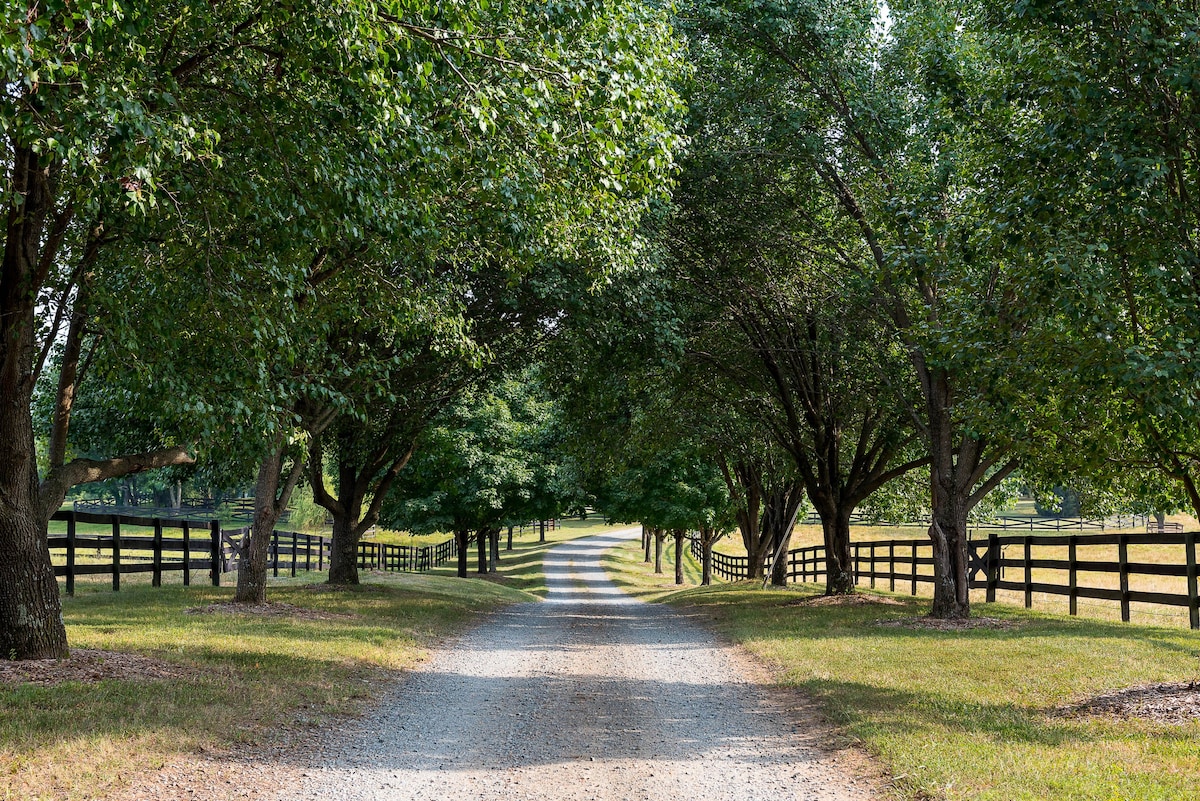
column 1104, row 201
column 474, row 470
column 787, row 344
column 104, row 101
column 882, row 115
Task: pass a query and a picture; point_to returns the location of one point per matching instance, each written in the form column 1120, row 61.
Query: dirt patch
column 91, row 666
column 1162, row 703
column 855, row 599
column 267, row 610
column 937, row 624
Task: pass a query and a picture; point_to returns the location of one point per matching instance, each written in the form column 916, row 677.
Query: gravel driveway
column 588, row 695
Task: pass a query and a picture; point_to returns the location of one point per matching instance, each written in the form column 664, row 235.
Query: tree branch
column 316, row 478
column 381, row 490
column 83, row 471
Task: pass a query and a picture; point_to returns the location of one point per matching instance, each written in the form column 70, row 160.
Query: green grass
column 627, row 568
column 967, row 714
column 80, row 740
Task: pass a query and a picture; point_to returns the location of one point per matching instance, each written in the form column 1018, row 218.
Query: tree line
column 914, row 252
column 280, row 239
column 842, row 254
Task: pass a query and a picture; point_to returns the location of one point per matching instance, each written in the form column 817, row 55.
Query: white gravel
column 589, row 695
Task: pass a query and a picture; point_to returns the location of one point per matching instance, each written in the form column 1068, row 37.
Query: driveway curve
column 590, row 695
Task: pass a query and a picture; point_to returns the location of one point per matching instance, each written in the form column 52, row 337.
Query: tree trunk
column 256, row 546
column 658, row 549
column 462, row 542
column 951, row 590
column 680, row 535
column 646, row 538
column 481, row 547
column 31, row 625
column 509, row 548
column 948, row 531
column 494, row 539
column 542, row 534
column 706, row 545
column 835, row 528
column 272, row 492
column 780, row 507
column 343, row 558
column 779, row 569
column 754, row 557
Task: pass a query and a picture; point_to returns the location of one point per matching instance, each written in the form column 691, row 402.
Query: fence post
column 116, row 550
column 1123, row 560
column 274, row 552
column 914, row 568
column 307, row 553
column 1074, row 574
column 71, row 553
column 872, row 565
column 320, row 553
column 214, row 532
column 156, row 575
column 1189, row 542
column 1028, row 572
column 892, row 566
column 293, row 554
column 187, row 554
column 993, row 566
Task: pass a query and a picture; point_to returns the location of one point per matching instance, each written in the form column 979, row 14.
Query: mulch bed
column 854, row 599
column 937, row 624
column 1172, row 703
column 267, row 610
column 89, row 666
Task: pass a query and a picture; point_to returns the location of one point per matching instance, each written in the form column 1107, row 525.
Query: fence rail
column 1014, row 523
column 172, row 545
column 192, row 508
column 994, row 560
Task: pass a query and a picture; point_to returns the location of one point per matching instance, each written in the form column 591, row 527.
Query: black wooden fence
column 1013, row 523
column 165, row 545
column 405, row 558
column 1006, row 562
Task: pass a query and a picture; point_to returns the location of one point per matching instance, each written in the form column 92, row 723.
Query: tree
column 827, row 384
column 1105, row 168
column 897, row 125
column 672, row 491
column 104, row 99
column 586, row 146
column 473, row 471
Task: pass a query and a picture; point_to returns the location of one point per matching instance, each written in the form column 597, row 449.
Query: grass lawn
column 78, row 740
column 966, row 714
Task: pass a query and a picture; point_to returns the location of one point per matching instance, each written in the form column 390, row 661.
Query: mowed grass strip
column 242, row 675
column 966, row 714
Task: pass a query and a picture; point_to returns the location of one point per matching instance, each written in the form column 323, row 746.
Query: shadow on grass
column 246, row 671
column 774, row 604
